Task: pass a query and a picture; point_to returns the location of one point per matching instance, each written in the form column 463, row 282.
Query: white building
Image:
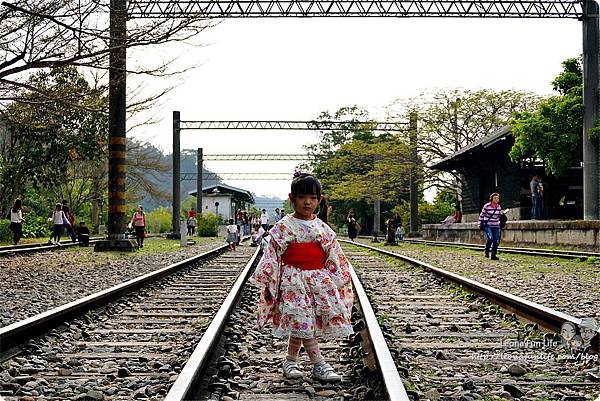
column 223, row 200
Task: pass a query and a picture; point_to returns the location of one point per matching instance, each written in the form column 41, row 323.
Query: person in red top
column 191, row 213
column 138, row 221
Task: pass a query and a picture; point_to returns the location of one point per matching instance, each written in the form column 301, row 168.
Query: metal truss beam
column 293, row 125
column 258, row 156
column 238, row 176
column 355, row 8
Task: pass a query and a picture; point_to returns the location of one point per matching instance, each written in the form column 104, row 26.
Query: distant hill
column 263, row 202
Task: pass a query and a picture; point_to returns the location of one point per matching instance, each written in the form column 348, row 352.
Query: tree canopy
column 553, row 133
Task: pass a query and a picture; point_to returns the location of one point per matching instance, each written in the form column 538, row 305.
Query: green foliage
column 428, row 213
column 208, row 224
column 62, row 120
column 5, row 233
column 159, row 220
column 356, row 167
column 35, row 226
column 553, row 132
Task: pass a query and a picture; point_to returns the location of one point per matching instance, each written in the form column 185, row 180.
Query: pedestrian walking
column 232, row 235
column 489, row 221
column 138, row 221
column 305, row 277
column 191, row 226
column 69, row 220
column 278, row 214
column 400, row 233
column 352, row 226
column 16, row 221
column 192, row 213
column 245, row 222
column 57, row 219
column 264, row 219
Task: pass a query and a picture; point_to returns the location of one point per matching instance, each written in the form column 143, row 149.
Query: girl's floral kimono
column 304, row 303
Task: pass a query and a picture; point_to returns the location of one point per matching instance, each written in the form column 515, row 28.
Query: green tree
column 553, row 133
column 42, row 138
column 453, row 118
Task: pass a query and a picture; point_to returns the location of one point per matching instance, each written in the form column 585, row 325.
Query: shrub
column 5, row 233
column 159, row 220
column 428, row 213
column 207, row 224
column 35, row 226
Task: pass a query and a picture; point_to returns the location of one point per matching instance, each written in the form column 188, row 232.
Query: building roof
column 482, row 143
column 238, row 193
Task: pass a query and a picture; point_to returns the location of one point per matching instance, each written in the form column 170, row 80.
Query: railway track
column 455, row 344
column 10, row 250
column 430, row 340
column 554, row 253
column 132, row 348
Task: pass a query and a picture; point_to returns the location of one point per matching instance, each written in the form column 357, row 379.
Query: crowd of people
column 61, row 220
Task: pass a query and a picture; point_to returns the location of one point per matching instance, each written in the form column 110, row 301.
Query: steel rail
column 188, row 379
column 20, row 332
column 559, row 253
column 393, row 382
column 544, row 316
column 39, row 247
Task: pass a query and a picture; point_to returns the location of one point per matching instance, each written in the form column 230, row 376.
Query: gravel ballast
column 35, row 283
column 565, row 285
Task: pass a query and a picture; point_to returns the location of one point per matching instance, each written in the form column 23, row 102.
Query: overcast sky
column 287, row 69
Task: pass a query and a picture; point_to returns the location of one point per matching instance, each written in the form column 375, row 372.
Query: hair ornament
column 297, row 172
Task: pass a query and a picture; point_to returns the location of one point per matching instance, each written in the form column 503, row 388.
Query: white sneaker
column 291, row 370
column 324, row 372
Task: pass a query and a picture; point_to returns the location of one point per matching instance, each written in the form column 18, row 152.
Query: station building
column 485, row 167
column 223, row 200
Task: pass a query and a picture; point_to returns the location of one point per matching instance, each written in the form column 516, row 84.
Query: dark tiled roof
column 486, row 141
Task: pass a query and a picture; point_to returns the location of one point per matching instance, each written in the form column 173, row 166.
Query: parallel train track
column 417, row 333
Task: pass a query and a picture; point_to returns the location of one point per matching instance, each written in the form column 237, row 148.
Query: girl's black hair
column 17, row 206
column 306, row 184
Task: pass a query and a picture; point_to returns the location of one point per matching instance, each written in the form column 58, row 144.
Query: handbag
column 503, row 220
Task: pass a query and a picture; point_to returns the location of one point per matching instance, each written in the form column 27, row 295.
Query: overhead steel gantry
column 238, row 176
column 264, row 125
column 257, row 156
column 350, row 8
column 583, row 10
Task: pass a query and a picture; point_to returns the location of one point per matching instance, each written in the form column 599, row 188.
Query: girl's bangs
column 306, row 186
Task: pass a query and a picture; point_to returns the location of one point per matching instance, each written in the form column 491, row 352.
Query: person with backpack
column 489, row 221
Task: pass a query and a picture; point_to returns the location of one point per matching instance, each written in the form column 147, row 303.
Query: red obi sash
column 304, row 255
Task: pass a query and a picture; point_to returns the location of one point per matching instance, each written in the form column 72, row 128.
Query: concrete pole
column 591, row 44
column 414, row 202
column 200, row 161
column 117, row 146
column 376, row 219
column 176, row 172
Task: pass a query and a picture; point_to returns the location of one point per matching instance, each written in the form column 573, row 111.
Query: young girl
column 232, row 235
column 306, row 277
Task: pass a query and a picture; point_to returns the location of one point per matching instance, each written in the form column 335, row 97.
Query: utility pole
column 199, row 162
column 176, row 173
column 414, row 205
column 117, row 140
column 591, row 75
